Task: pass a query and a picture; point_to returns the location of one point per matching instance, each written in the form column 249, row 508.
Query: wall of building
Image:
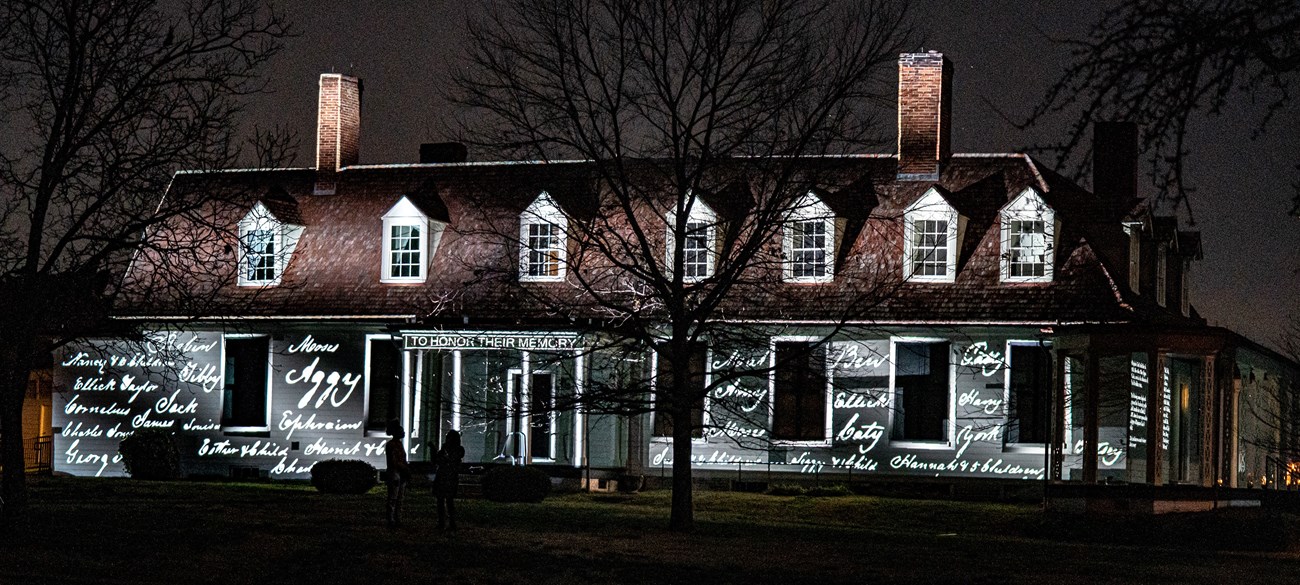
column 316, row 402
column 319, row 405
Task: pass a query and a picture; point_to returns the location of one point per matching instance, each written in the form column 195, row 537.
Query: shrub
column 151, row 454
column 344, row 476
column 784, row 489
column 516, row 484
column 830, row 491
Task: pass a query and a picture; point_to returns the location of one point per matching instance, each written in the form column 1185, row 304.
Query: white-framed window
column 265, row 245
column 699, row 377
column 261, row 255
column 1028, row 239
column 930, row 235
column 543, row 241
column 698, row 242
column 409, row 239
column 809, row 242
column 800, row 399
column 246, row 383
column 1028, row 387
column 385, row 365
column 921, row 377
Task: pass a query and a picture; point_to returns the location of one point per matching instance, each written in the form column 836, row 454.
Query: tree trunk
column 682, row 518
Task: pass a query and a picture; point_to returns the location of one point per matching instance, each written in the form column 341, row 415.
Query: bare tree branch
column 1165, row 63
column 111, row 98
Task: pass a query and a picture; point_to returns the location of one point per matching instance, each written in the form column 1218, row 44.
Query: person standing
column 447, row 481
column 398, row 472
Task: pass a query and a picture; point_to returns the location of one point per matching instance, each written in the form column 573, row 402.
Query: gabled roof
column 281, row 206
column 336, row 269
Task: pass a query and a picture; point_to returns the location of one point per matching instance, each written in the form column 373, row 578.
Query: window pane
column 385, row 383
column 695, row 250
column 1031, row 380
column 541, row 404
column 929, row 247
column 921, row 392
column 405, row 258
column 260, row 254
column 244, row 393
column 808, row 253
column 663, row 423
column 543, row 242
column 1027, row 248
column 799, row 396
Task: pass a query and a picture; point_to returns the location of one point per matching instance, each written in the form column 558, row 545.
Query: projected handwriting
column 980, row 356
column 332, row 381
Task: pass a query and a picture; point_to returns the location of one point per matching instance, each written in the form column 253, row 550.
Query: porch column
column 1210, row 435
column 1231, row 437
column 1058, row 416
column 1091, row 418
column 1155, row 414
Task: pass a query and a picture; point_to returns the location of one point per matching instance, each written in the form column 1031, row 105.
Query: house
column 928, row 314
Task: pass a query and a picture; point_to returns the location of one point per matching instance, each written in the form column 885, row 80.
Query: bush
column 344, row 476
column 783, row 489
column 151, row 454
column 830, row 491
column 516, row 484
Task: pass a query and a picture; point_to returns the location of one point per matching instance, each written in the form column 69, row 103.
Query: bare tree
column 678, row 108
column 107, row 100
column 1164, row 63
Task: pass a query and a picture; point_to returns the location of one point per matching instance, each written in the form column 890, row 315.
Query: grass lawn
column 126, row 531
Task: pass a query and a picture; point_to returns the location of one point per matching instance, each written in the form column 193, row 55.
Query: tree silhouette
column 692, row 118
column 1163, row 63
column 108, row 99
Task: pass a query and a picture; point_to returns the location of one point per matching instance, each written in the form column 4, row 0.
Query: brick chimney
column 924, row 114
column 338, row 122
column 1115, row 160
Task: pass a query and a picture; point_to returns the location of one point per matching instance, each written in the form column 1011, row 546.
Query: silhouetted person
column 399, row 473
column 447, row 481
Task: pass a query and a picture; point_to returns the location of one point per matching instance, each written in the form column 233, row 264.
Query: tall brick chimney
column 924, row 114
column 338, row 122
column 1115, row 160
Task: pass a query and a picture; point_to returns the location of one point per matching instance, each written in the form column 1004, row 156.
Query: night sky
column 1002, row 53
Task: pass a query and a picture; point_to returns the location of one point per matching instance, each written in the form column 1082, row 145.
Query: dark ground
column 126, row 531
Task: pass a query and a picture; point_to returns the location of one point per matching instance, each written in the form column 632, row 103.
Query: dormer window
column 1028, row 234
column 930, row 232
column 265, row 246
column 698, row 242
column 261, row 257
column 543, row 244
column 410, row 237
column 809, row 242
